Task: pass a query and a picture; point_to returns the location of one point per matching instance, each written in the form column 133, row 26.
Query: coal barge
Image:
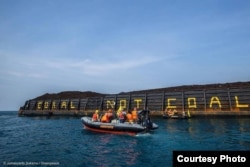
column 229, row 99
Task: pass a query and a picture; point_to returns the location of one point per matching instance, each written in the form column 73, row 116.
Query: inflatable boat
column 143, row 125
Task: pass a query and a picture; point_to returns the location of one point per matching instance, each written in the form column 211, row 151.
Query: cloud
column 26, row 75
column 93, row 67
column 100, row 68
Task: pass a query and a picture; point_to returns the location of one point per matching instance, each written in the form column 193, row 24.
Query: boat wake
column 143, row 134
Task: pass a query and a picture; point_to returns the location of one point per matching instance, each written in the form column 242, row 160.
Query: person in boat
column 129, row 117
column 170, row 113
column 175, row 112
column 107, row 117
column 122, row 116
column 135, row 115
column 95, row 116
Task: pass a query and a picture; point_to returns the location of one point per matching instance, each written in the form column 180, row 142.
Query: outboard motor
column 149, row 124
column 144, row 119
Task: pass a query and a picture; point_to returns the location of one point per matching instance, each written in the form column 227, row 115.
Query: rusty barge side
column 222, row 101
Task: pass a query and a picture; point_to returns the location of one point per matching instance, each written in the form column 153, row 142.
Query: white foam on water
column 143, row 134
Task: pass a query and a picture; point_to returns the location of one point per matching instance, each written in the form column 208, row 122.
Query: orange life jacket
column 134, row 115
column 129, row 117
column 105, row 118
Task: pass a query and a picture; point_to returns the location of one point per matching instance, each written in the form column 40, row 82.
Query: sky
column 112, row 46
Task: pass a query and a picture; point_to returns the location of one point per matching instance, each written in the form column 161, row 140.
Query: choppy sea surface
column 62, row 141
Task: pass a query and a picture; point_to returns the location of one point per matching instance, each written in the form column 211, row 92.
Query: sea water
column 62, row 141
